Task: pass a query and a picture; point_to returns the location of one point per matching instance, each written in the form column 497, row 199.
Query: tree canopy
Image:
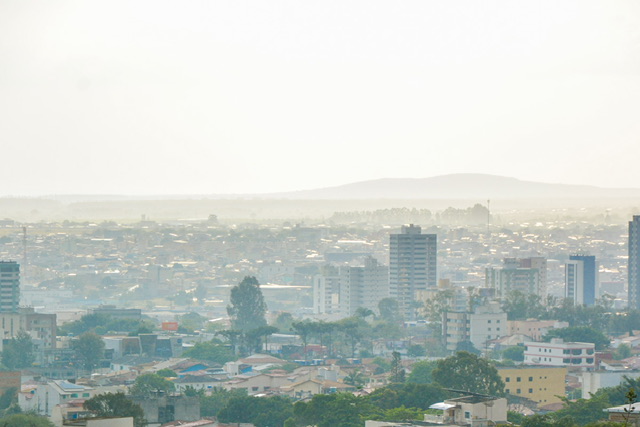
column 421, row 372
column 579, row 334
column 18, row 353
column 468, row 372
column 247, row 309
column 150, row 384
column 212, row 351
column 89, row 349
column 115, row 405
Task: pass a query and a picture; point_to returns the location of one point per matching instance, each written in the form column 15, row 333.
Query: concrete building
column 526, row 275
column 543, row 385
column 580, row 279
column 326, row 292
column 9, row 286
column 366, row 285
column 535, row 329
column 340, row 291
column 475, row 411
column 40, row 326
column 164, row 409
column 486, row 323
column 594, row 381
column 412, row 266
column 560, row 353
column 633, row 269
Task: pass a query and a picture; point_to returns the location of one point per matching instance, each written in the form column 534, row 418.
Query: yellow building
column 538, row 383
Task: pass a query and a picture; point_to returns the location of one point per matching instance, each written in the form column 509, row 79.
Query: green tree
column 468, row 372
column 579, row 334
column 18, row 353
column 521, row 306
column 515, row 353
column 260, row 411
column 284, row 322
column 219, row 398
column 167, row 373
column 410, row 395
column 191, row 322
column 421, row 372
column 247, row 309
column 329, row 410
column 397, row 371
column 115, row 405
column 212, row 351
column 622, row 352
column 355, row 378
column 25, row 420
column 150, row 384
column 304, row 329
column 89, row 349
column 389, row 311
column 9, row 397
column 416, row 351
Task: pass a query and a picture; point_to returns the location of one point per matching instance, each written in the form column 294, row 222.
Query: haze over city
column 154, row 98
column 330, row 214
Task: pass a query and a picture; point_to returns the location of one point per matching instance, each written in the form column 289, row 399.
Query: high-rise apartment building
column 340, row 291
column 412, row 266
column 634, row 263
column 9, row 286
column 526, row 275
column 580, row 279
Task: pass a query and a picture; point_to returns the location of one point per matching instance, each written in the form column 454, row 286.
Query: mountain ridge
column 458, row 186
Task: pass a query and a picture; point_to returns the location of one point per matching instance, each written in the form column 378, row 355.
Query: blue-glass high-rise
column 588, row 278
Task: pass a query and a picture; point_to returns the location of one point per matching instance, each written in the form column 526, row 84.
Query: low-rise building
column 474, row 410
column 560, row 353
column 536, row 329
column 542, row 385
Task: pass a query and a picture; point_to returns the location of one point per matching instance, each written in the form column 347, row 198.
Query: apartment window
column 530, row 390
column 518, row 379
column 508, row 379
column 467, row 414
column 254, row 388
column 530, row 378
column 507, row 391
column 518, row 391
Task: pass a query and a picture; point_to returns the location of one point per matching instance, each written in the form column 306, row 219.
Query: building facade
column 9, row 286
column 412, row 266
column 543, row 385
column 581, row 279
column 526, row 275
column 560, row 353
column 486, row 323
column 634, row 263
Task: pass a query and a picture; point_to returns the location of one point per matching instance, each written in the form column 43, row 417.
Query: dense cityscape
column 293, row 213
column 392, row 317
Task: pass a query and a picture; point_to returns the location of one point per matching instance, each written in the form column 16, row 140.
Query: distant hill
column 457, row 186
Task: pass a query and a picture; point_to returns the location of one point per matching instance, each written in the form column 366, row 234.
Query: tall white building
column 486, row 323
column 526, row 275
column 412, row 266
column 340, row 291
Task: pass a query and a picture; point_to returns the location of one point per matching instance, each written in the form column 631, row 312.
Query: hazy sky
column 197, row 97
